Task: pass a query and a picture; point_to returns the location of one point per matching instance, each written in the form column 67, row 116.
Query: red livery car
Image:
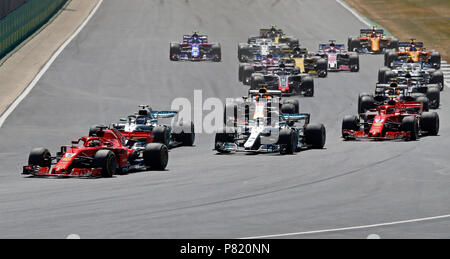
column 394, row 120
column 102, row 154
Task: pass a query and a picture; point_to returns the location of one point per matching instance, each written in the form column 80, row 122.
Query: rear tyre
column 425, row 102
column 217, row 52
column 381, row 75
column 437, row 77
column 389, row 57
column 353, row 44
column 247, row 74
column 106, row 160
column 288, row 108
column 354, row 62
column 174, row 51
column 243, row 52
column 307, row 86
column 187, row 135
column 393, row 43
column 434, row 97
column 315, row 135
column 161, row 135
column 40, row 157
column 256, row 81
column 294, row 102
column 388, row 75
column 241, row 71
column 322, row 68
column 156, row 156
column 435, row 59
column 366, row 103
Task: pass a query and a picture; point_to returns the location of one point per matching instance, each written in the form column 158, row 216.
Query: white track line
column 44, row 69
column 356, row 14
column 351, row 228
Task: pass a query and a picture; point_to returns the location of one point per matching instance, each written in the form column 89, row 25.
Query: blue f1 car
column 195, row 47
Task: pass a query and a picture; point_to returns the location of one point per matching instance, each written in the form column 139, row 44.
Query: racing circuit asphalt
column 120, row 60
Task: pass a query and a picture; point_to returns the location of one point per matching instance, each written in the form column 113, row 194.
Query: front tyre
column 106, row 160
column 315, row 135
column 156, row 156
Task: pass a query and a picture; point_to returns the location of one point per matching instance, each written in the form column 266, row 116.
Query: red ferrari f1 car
column 394, row 120
column 103, row 154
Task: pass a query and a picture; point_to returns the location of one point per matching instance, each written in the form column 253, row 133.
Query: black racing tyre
column 393, row 43
column 40, row 157
column 354, row 62
column 288, row 141
column 161, row 135
column 307, row 86
column 257, row 81
column 435, row 59
column 429, row 122
column 187, row 136
column 241, row 71
column 315, row 135
column 174, row 51
column 381, row 75
column 294, row 42
column 322, row 67
column 388, row 75
column 437, row 77
column 434, row 97
column 410, row 124
column 217, row 52
column 93, row 130
column 243, row 52
column 425, row 102
column 247, row 74
column 106, row 160
column 222, row 138
column 389, row 57
column 350, row 122
column 294, row 102
column 230, row 114
column 288, row 108
column 353, row 44
column 156, row 156
column 366, row 103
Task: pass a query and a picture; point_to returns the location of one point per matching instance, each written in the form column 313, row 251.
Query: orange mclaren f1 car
column 411, row 52
column 372, row 41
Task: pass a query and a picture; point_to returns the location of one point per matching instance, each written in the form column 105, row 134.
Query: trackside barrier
column 24, row 21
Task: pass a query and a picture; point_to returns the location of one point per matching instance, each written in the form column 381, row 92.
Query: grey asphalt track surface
column 120, row 60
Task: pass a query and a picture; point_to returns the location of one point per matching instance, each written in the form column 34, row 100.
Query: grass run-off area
column 424, row 20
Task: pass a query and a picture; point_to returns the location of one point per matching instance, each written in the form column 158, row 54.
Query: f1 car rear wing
column 295, row 117
column 408, row 44
column 366, row 31
column 203, row 38
column 164, row 114
column 265, row 92
column 390, row 86
column 265, row 31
